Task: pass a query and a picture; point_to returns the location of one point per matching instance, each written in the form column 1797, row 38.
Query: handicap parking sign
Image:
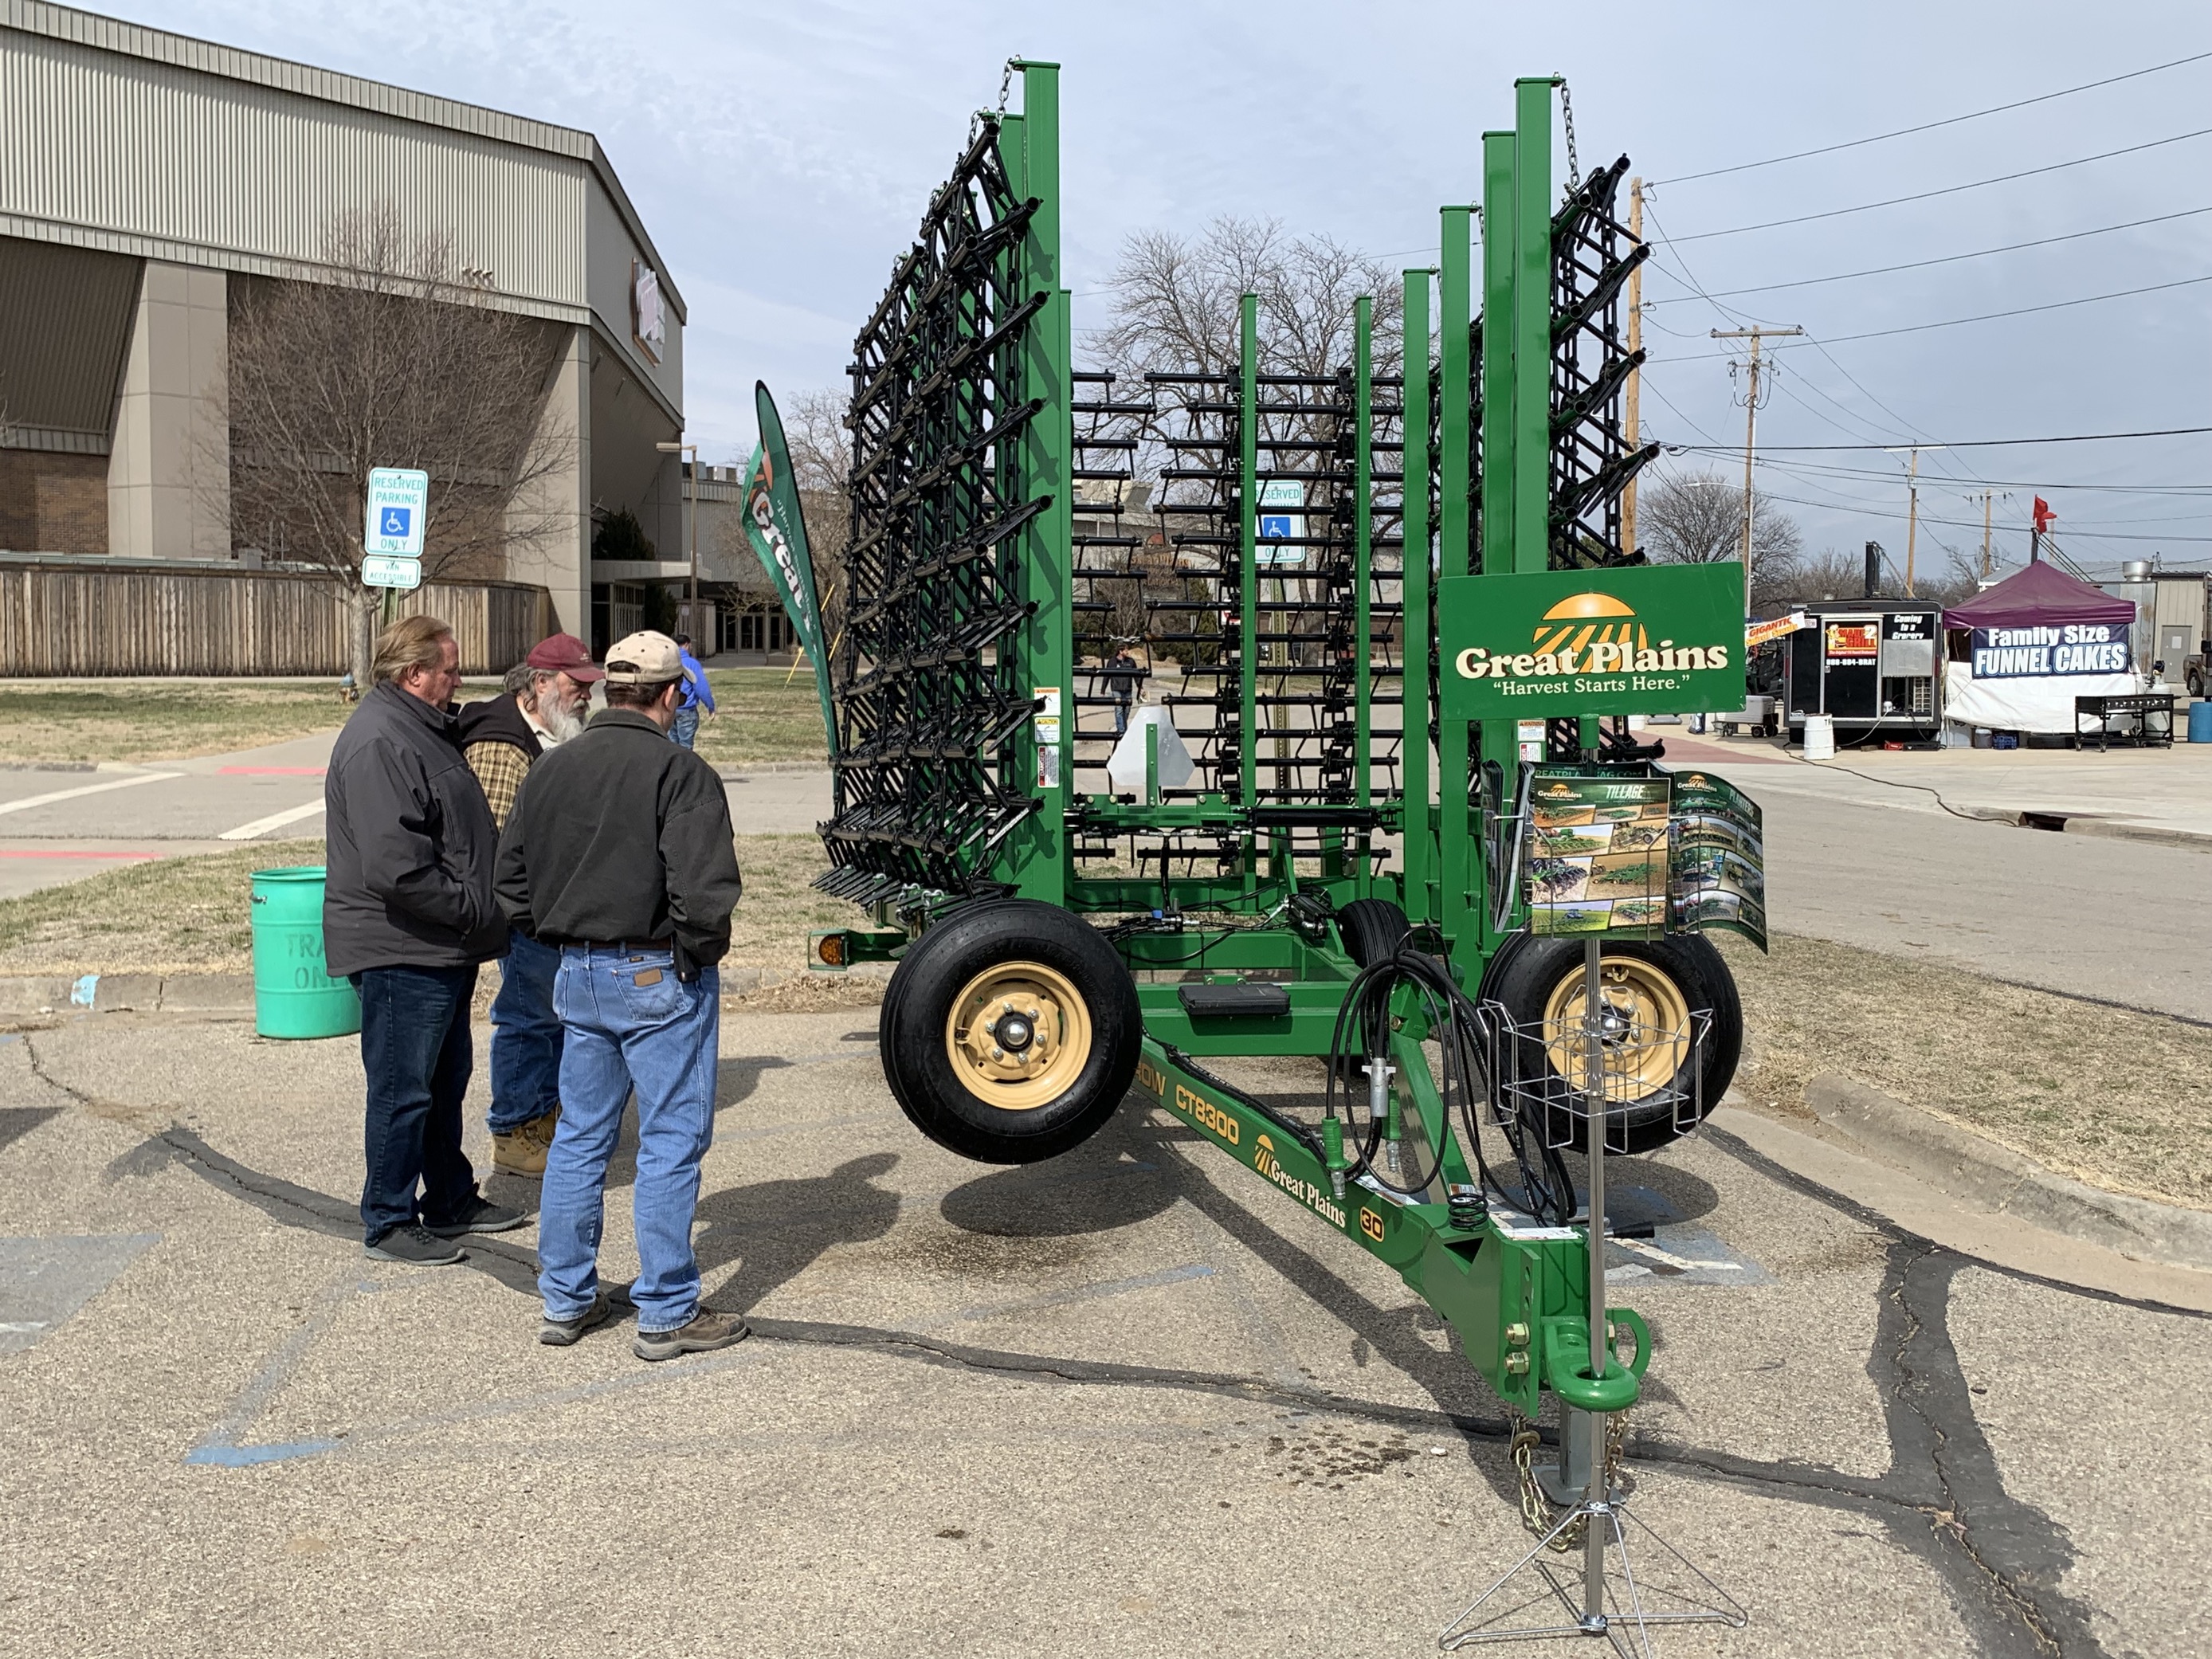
column 398, row 500
column 1274, row 526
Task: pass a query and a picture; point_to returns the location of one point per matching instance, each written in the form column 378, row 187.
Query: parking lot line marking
column 131, row 783
column 273, row 821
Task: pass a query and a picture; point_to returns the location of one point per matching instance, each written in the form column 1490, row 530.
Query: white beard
column 560, row 723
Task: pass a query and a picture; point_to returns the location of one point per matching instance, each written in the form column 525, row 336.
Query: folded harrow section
column 926, row 683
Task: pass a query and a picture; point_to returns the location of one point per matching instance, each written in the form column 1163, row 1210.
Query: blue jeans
column 630, row 1024
column 685, row 726
column 526, row 1037
column 415, row 1053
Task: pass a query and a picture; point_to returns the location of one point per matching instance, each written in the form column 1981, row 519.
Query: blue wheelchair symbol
column 395, row 521
column 1274, row 526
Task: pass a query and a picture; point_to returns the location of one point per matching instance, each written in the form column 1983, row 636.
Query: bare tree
column 390, row 358
column 1176, row 301
column 1698, row 518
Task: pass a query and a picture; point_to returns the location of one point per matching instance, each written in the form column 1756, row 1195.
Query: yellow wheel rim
column 1647, row 1021
column 1019, row 1036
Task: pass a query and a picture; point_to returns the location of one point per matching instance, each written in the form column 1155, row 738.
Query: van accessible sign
column 1645, row 640
column 2051, row 649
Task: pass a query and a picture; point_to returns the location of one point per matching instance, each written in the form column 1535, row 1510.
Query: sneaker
column 707, row 1331
column 478, row 1215
column 415, row 1244
column 521, row 1150
column 560, row 1333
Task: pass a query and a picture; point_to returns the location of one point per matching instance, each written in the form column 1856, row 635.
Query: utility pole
column 1985, row 535
column 1913, row 509
column 1755, row 334
column 1632, row 430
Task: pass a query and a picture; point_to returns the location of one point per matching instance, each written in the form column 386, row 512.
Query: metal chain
column 1006, row 85
column 1567, row 114
column 1536, row 1512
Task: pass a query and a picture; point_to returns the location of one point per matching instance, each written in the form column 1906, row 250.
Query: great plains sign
column 1666, row 640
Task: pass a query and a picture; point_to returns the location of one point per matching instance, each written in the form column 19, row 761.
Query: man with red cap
column 542, row 705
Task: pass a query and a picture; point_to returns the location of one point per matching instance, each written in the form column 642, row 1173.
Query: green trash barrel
column 293, row 997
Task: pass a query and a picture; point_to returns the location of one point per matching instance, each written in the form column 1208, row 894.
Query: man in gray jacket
column 408, row 915
column 619, row 852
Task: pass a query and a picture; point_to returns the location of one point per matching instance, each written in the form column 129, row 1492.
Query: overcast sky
column 781, row 154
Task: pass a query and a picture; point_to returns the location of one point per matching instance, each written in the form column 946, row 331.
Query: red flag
column 2043, row 515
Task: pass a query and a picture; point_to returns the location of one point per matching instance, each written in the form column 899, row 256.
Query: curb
column 218, row 994
column 1966, row 1165
column 223, row 996
column 2121, row 830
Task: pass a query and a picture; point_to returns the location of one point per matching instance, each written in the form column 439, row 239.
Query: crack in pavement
column 1944, row 1498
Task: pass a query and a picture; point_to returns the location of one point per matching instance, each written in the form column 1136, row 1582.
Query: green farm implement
column 1380, row 803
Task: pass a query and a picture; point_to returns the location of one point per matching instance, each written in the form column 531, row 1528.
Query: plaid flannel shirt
column 500, row 767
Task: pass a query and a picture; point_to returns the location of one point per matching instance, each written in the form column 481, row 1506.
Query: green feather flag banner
column 777, row 530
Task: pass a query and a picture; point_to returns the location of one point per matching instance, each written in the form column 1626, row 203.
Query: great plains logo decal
column 1316, row 1199
column 1583, row 636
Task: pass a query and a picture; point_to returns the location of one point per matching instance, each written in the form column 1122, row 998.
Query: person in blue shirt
column 696, row 694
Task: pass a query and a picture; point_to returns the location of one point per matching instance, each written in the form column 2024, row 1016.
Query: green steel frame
column 1481, row 434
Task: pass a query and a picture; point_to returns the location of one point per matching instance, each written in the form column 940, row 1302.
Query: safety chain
column 1006, row 85
column 1567, row 114
column 1536, row 1512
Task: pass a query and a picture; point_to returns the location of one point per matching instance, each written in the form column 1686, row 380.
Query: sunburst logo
column 1263, row 1157
column 1583, row 620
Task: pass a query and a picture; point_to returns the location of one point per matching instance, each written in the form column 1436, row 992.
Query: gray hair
column 520, row 678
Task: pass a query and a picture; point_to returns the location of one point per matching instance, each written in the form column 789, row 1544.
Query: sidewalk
column 2148, row 794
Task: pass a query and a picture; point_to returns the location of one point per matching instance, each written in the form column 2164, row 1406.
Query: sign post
column 391, row 540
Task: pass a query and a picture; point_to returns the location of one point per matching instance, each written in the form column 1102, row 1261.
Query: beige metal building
column 144, row 176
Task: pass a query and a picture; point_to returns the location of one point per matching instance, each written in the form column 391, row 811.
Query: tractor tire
column 1538, row 982
column 1010, row 1031
column 1373, row 930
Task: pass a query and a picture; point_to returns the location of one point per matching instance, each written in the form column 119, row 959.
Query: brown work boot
column 522, row 1151
column 706, row 1331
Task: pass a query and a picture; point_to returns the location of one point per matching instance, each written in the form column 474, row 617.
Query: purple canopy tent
column 2041, row 593
column 2041, row 638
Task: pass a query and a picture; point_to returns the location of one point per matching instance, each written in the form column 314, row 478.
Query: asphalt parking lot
column 1127, row 1402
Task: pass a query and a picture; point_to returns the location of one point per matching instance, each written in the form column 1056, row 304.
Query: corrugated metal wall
column 58, row 620
column 150, row 150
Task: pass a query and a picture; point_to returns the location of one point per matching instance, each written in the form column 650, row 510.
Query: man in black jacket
column 407, row 914
column 545, row 696
column 620, row 853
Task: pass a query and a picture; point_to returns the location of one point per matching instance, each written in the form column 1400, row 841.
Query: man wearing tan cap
column 501, row 739
column 619, row 853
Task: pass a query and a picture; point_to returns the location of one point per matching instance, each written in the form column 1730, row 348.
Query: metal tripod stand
column 1612, row 1601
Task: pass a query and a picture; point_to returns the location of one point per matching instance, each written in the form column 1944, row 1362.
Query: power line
column 1975, row 524
column 2000, row 443
column 1953, row 258
column 2198, row 492
column 1981, row 317
column 1948, row 190
column 1930, row 126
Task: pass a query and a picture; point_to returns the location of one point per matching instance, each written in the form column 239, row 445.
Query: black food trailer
column 1871, row 666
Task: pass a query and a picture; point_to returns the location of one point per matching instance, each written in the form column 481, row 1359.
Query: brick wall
column 52, row 503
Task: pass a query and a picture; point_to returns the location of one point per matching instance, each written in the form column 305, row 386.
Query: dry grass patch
column 767, row 715
column 166, row 719
column 192, row 915
column 2111, row 1098
column 185, row 915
